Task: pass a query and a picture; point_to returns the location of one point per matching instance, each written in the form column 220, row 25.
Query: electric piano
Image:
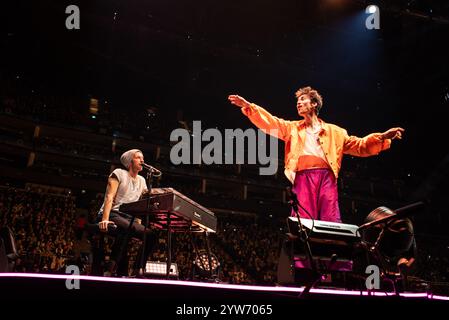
column 325, row 231
column 170, row 209
column 333, row 245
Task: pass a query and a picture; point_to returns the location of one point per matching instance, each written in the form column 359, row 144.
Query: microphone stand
column 305, row 240
column 142, row 267
column 397, row 214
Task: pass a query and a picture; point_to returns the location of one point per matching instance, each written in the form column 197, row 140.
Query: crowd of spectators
column 21, row 98
column 74, row 148
column 43, row 225
column 49, row 234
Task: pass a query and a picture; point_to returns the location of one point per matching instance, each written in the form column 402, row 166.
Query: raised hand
column 238, row 101
column 393, row 133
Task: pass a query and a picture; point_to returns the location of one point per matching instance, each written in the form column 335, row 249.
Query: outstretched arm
column 371, row 144
column 239, row 101
column 264, row 120
column 393, row 133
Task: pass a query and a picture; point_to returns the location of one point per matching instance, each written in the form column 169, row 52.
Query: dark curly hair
column 314, row 96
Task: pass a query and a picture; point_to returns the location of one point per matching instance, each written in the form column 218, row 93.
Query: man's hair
column 314, row 96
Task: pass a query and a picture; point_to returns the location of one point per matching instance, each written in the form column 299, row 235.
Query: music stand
column 397, row 214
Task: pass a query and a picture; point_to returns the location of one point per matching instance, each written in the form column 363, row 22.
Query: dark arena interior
column 83, row 82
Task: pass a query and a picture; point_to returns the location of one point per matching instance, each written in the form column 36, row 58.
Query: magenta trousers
column 317, row 192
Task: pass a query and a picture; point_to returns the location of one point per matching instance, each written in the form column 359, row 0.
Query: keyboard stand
column 168, row 244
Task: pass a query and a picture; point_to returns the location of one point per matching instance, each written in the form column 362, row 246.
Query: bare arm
column 111, row 191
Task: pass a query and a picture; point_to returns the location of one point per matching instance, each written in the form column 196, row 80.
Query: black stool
column 97, row 239
column 118, row 267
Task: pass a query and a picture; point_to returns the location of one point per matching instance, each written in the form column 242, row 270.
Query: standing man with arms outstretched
column 314, row 150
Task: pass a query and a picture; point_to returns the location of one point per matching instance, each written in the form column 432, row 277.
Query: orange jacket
column 334, row 140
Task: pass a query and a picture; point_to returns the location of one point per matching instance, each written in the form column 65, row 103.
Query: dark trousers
column 119, row 254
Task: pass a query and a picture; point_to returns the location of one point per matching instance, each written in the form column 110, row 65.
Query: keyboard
column 166, row 205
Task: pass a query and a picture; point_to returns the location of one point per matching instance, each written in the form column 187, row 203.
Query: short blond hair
column 314, row 96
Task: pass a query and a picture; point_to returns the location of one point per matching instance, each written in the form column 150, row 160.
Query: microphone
column 157, row 172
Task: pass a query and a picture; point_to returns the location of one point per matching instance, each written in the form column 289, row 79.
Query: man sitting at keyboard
column 125, row 186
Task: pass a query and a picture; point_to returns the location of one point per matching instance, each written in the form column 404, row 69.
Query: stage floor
column 59, row 287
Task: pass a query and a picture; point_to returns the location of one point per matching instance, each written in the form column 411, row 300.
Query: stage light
column 202, row 266
column 93, row 106
column 372, row 9
column 159, row 269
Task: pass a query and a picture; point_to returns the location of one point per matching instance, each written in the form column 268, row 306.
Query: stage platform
column 35, row 286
